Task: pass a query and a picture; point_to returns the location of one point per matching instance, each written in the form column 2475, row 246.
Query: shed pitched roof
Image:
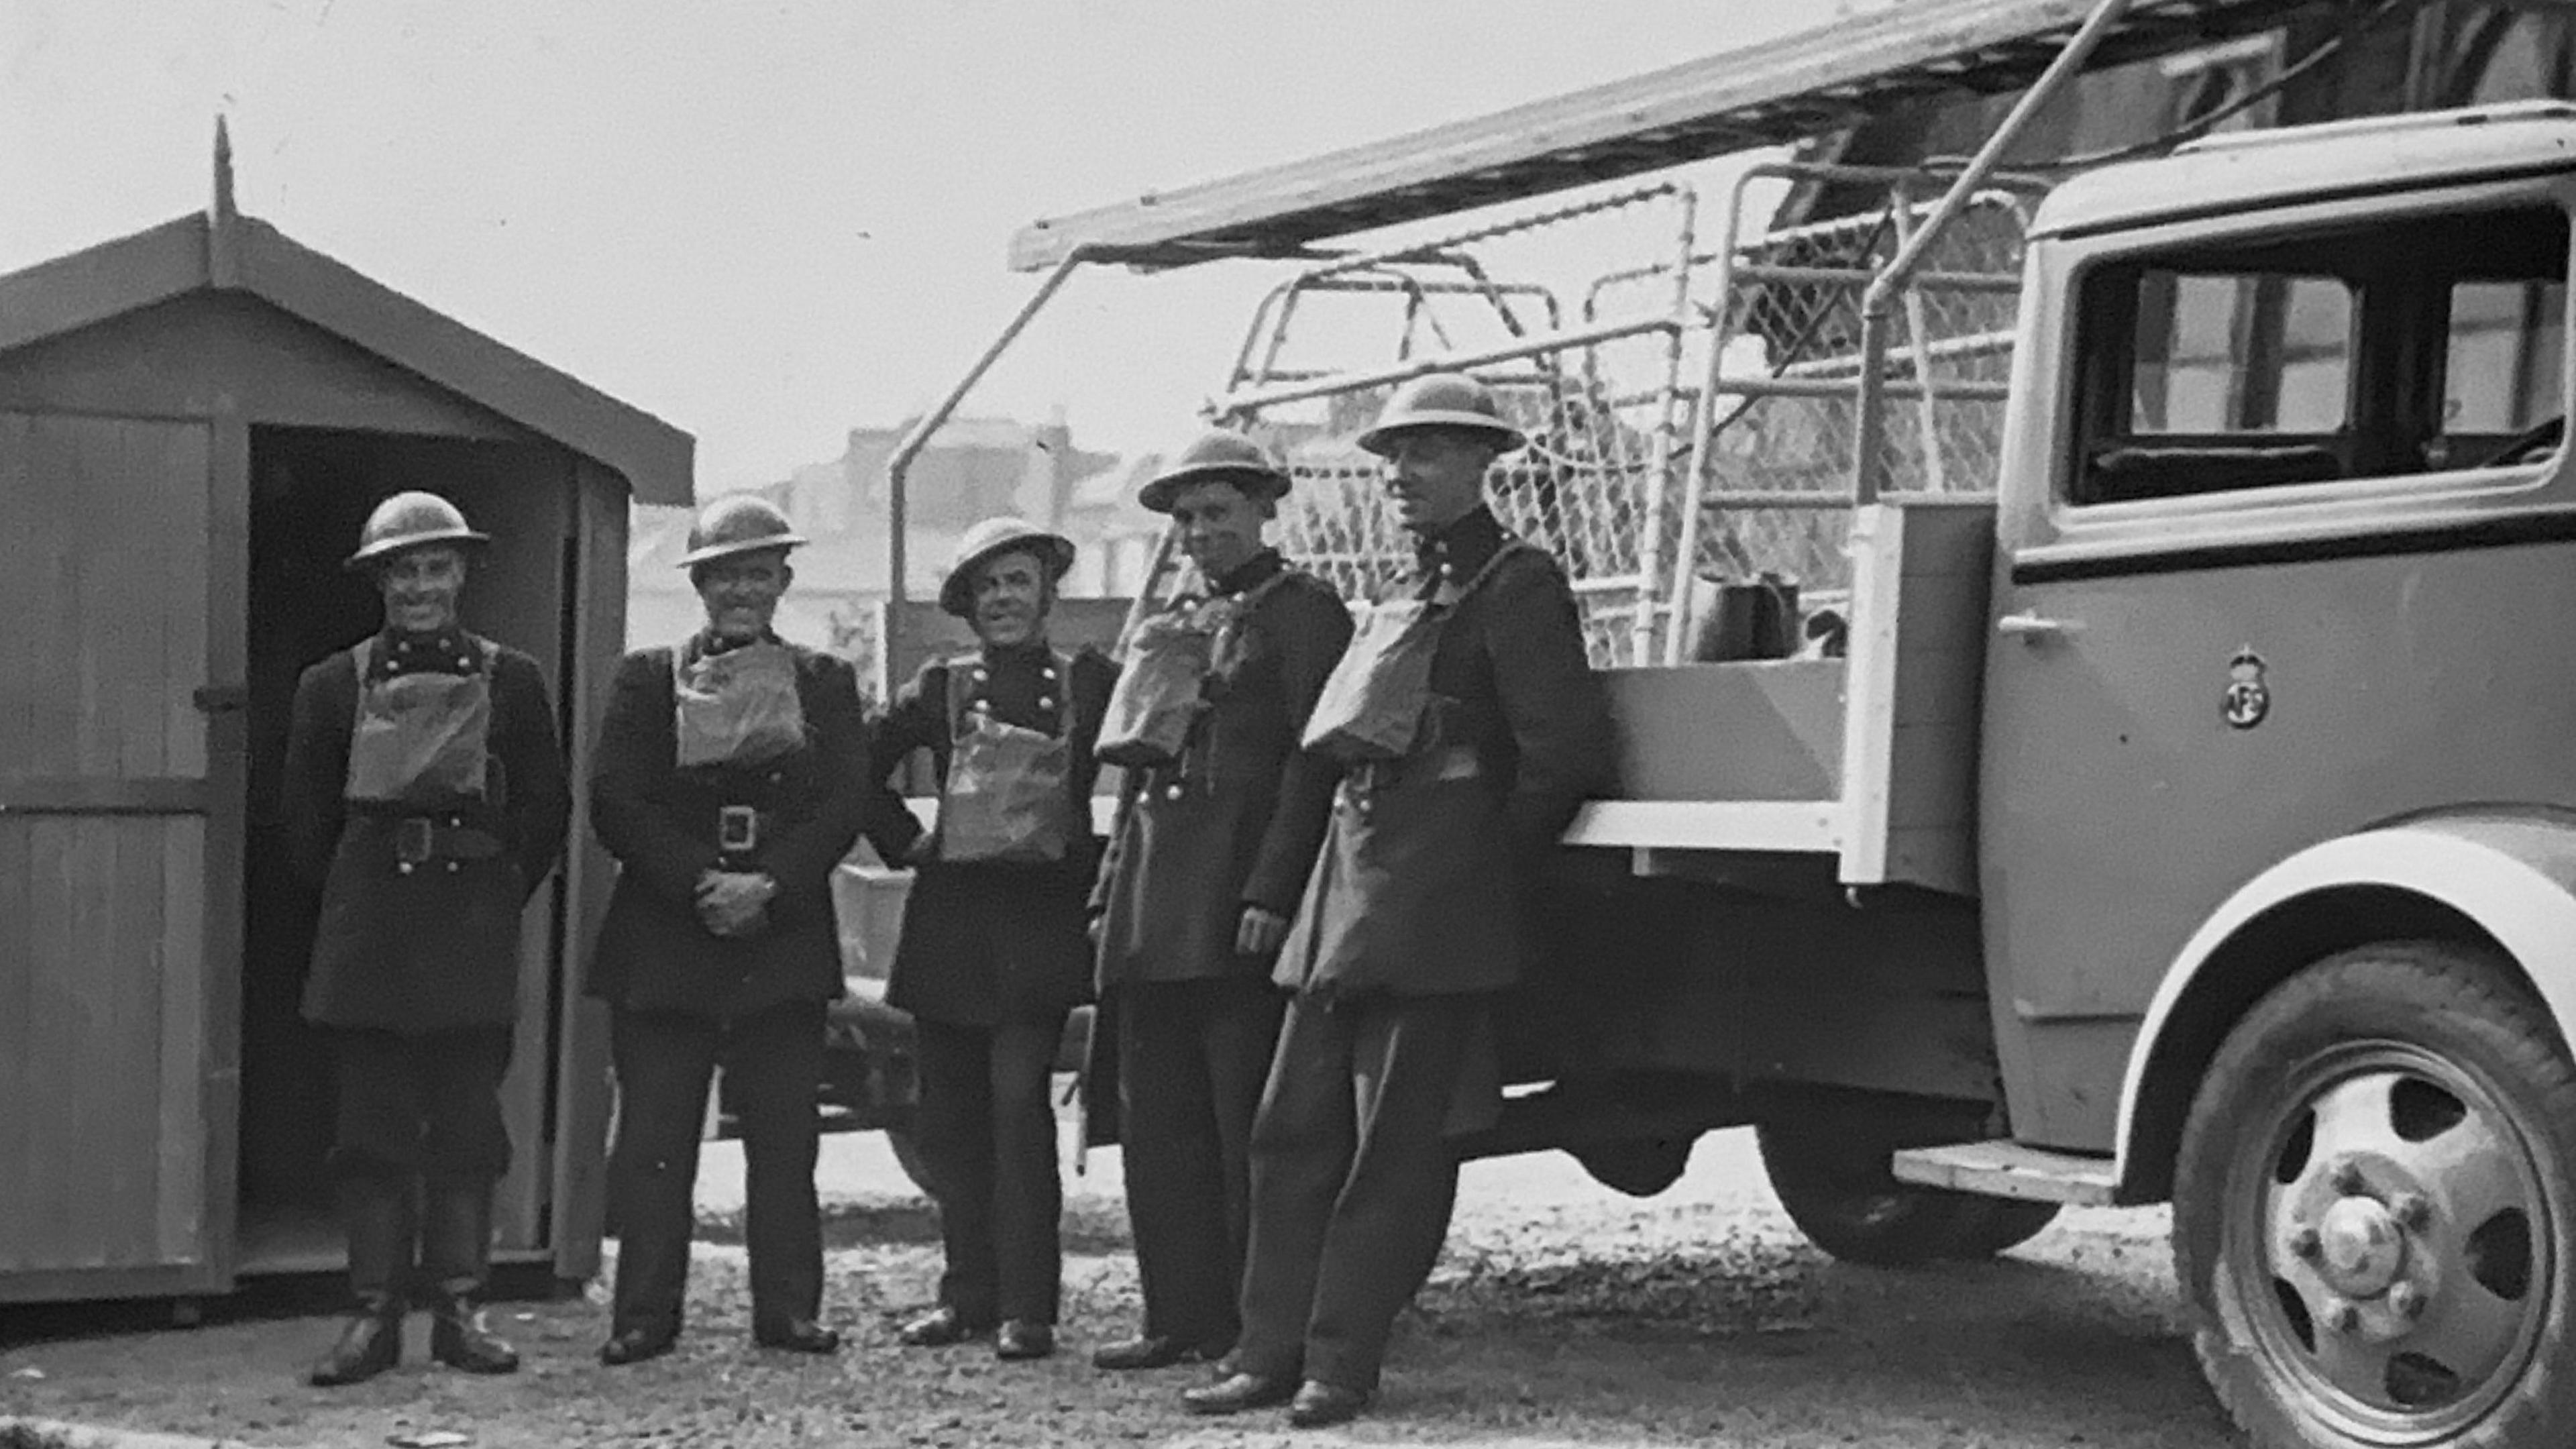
column 242, row 254
column 1803, row 85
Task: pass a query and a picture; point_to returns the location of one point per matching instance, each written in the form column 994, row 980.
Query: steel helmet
column 1219, row 454
column 738, row 523
column 411, row 520
column 1443, row 400
column 990, row 538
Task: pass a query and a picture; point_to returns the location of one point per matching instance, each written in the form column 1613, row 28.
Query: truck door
column 2264, row 498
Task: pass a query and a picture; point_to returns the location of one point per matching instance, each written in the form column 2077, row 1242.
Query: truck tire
column 1637, row 1166
column 2372, row 1209
column 2002, row 1223
column 1838, row 1190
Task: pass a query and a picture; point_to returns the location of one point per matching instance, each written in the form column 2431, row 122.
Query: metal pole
column 1918, row 333
column 1704, row 421
column 1874, row 302
column 900, row 464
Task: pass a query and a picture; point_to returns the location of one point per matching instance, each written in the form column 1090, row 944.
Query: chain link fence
column 1692, row 413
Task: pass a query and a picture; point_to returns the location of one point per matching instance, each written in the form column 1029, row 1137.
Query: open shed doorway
column 311, row 490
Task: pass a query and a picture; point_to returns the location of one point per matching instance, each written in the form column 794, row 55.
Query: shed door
column 117, row 814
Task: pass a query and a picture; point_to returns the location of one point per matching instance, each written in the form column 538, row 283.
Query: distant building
column 972, row 469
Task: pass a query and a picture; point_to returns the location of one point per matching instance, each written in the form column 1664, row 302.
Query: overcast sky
column 769, row 222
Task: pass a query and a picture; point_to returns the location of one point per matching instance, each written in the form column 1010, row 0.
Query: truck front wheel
column 2372, row 1209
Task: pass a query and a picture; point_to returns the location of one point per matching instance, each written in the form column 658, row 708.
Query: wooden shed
column 193, row 422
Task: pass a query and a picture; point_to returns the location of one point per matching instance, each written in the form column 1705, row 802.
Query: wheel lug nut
column 2408, row 1300
column 2348, row 1180
column 2304, row 1243
column 2412, row 1210
column 2343, row 1317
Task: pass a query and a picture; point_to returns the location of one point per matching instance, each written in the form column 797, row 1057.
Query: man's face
column 422, row 587
column 1435, row 475
column 1011, row 598
column 741, row 591
column 1220, row 525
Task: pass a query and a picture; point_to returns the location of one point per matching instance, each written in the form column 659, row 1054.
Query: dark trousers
column 773, row 1062
column 987, row 1134
column 1192, row 1058
column 1352, row 1179
column 417, row 1142
column 426, row 1105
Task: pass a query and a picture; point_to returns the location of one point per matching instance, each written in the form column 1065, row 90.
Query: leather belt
column 1453, row 762
column 421, row 839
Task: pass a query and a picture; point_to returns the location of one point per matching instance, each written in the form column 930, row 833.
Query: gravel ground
column 1562, row 1314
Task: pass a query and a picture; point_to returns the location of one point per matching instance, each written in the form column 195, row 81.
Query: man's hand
column 1259, row 932
column 734, row 902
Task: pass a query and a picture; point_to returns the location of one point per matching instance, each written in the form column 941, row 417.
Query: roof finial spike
column 222, row 209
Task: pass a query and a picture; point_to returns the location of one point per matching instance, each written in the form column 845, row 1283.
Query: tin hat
column 738, row 523
column 1442, row 400
column 411, row 520
column 1217, row 455
column 990, row 539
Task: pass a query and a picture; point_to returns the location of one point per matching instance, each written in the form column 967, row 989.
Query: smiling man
column 1451, row 792
column 993, row 954
column 1213, row 844
column 423, row 792
column 732, row 778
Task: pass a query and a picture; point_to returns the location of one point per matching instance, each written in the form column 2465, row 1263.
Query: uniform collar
column 1251, row 574
column 708, row 643
column 1031, row 652
column 399, row 652
column 1456, row 552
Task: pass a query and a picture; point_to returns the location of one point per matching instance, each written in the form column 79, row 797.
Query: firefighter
column 994, row 953
column 731, row 779
column 423, row 792
column 1213, row 843
column 1455, row 781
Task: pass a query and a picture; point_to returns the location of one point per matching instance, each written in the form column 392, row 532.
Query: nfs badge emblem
column 2248, row 699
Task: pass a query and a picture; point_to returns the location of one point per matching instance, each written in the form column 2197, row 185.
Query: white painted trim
column 1869, row 690
column 1789, row 825
column 2470, row 865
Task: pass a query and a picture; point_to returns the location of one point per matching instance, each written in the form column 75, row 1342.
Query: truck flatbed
column 1870, row 758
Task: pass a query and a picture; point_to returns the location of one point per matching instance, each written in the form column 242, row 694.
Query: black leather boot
column 376, row 1215
column 455, row 1251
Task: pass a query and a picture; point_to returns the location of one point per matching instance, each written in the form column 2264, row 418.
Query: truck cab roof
column 2239, row 170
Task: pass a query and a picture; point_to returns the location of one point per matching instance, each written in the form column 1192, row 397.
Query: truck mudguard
column 2504, row 873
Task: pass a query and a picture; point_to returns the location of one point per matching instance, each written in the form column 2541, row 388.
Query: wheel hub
column 2361, row 1250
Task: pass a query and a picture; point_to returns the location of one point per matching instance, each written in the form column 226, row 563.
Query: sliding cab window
column 2433, row 344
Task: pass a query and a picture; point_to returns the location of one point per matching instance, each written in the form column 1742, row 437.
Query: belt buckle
column 737, row 829
column 413, row 841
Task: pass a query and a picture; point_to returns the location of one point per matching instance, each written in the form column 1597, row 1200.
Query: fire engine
column 2097, row 716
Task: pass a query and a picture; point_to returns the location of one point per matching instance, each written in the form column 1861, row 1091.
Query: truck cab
column 2231, row 736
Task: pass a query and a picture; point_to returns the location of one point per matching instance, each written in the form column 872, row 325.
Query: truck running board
column 2009, row 1169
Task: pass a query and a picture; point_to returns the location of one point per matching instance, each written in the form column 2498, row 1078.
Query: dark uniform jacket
column 988, row 942
column 662, row 823
column 1234, row 822
column 434, row 947
column 1427, row 873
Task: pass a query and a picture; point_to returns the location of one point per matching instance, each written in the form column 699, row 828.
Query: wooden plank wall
column 103, row 766
column 583, row 1090
column 1917, row 658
